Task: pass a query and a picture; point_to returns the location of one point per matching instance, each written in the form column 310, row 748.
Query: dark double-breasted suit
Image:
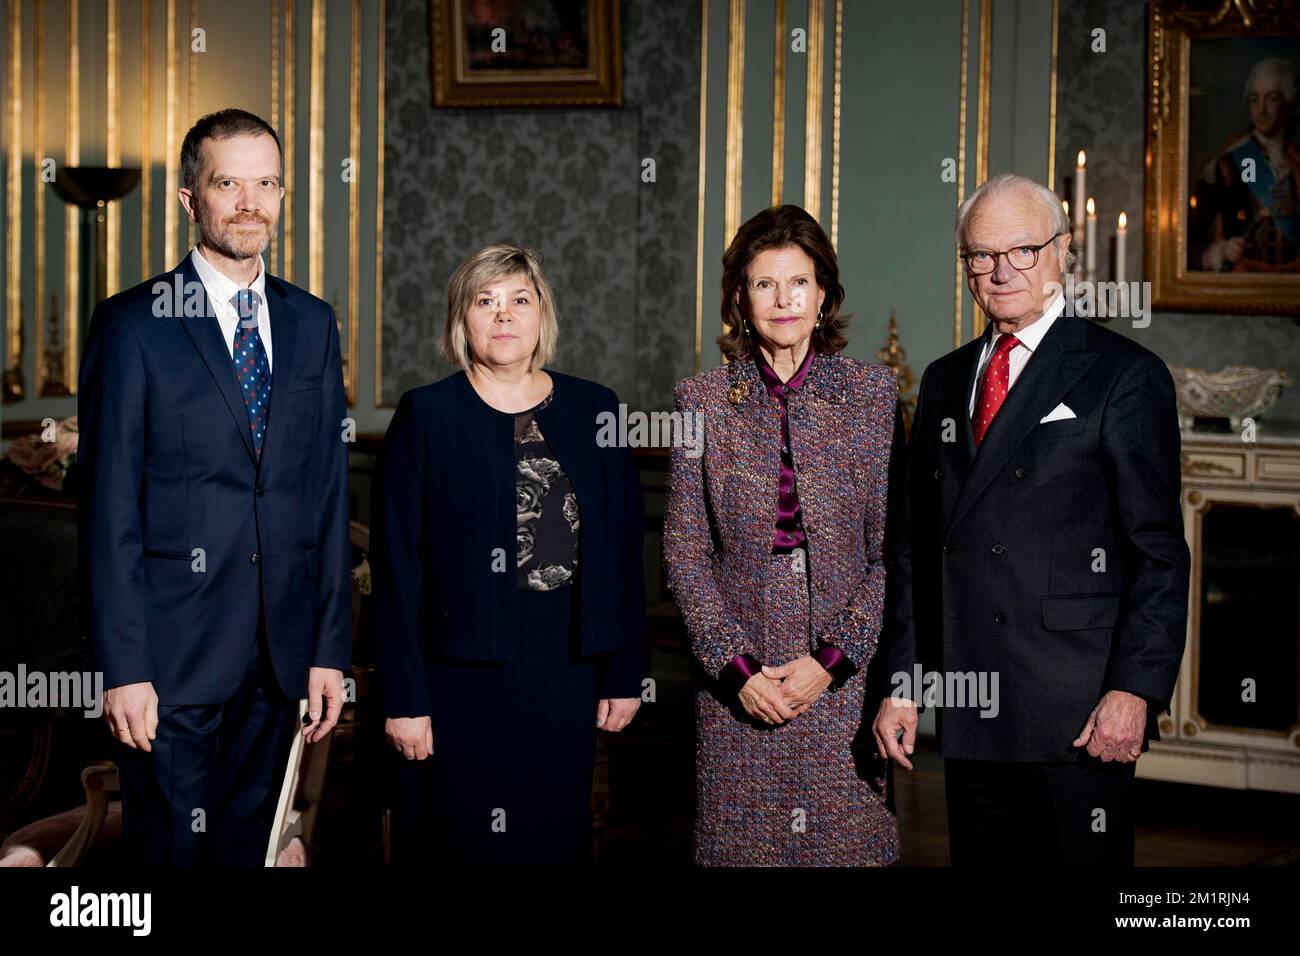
column 1051, row 556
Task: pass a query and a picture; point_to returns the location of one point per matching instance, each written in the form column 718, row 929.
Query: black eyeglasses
column 981, row 262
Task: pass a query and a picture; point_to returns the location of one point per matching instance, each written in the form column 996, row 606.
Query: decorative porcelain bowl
column 1234, row 393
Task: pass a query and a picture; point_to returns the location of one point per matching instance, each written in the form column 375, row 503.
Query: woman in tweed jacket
column 773, row 541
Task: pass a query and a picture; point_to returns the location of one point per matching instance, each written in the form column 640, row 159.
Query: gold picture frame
column 1189, row 246
column 539, row 54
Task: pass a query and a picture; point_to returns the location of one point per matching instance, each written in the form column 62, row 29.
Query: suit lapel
column 205, row 332
column 1060, row 360
column 284, row 340
column 749, row 396
column 956, row 406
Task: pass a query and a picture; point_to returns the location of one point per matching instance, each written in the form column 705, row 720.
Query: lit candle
column 1121, row 237
column 1090, row 243
column 1079, row 193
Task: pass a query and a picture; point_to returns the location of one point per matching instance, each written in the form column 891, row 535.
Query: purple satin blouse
column 789, row 529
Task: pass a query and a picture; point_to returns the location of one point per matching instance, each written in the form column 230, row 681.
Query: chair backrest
column 304, row 778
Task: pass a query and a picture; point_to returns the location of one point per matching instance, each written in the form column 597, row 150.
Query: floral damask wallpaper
column 619, row 252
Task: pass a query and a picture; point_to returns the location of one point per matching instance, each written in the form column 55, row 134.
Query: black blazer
column 993, row 556
column 166, row 467
column 444, row 501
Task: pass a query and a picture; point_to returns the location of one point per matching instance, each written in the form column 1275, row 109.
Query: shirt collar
column 1031, row 335
column 222, row 288
column 773, row 382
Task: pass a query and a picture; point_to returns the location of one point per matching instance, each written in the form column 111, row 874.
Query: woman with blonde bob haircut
column 506, row 554
column 478, row 272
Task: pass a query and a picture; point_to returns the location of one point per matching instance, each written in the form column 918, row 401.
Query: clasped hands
column 777, row 694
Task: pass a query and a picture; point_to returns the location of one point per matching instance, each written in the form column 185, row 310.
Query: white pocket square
column 1059, row 413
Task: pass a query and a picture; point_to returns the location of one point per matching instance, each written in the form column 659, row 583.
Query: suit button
column 936, row 474
column 1021, row 472
column 998, row 549
column 999, row 618
column 947, row 549
column 260, row 491
column 252, row 558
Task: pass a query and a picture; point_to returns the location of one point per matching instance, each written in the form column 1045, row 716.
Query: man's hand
column 615, row 713
column 1115, row 727
column 802, row 680
column 132, row 714
column 763, row 700
column 412, row 737
column 323, row 683
column 896, row 714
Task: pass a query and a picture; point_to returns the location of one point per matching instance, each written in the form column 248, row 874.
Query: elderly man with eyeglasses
column 1038, row 571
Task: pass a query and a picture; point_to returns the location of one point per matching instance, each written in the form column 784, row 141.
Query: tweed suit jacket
column 722, row 506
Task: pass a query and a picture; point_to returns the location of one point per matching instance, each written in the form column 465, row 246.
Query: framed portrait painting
column 1223, row 156
column 526, row 53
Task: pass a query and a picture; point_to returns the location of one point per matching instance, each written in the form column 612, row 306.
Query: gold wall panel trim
column 191, row 93
column 288, row 139
column 735, row 116
column 379, row 217
column 192, row 80
column 982, row 103
column 778, row 104
column 1051, row 99
column 113, row 210
column 170, row 162
column 835, row 123
column 701, row 168
column 38, row 206
column 982, row 125
column 14, row 388
column 961, row 161
column 812, row 140
column 316, row 156
column 273, row 254
column 146, row 143
column 354, row 211
column 71, row 239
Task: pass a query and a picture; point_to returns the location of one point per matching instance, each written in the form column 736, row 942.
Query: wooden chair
column 101, row 785
column 300, row 791
column 304, row 778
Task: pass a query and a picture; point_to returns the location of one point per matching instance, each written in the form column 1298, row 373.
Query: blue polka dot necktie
column 252, row 368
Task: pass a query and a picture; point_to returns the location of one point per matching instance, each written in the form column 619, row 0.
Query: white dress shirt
column 1029, row 337
column 221, row 290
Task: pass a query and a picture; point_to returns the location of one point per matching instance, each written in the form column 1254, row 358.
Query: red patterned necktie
column 993, row 387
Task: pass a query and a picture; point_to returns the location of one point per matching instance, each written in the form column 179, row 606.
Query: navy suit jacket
column 1053, row 554
column 444, row 503
column 166, row 467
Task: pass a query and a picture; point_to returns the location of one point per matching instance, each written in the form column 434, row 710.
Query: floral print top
column 546, row 507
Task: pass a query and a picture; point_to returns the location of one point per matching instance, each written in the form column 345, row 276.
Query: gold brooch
column 738, row 393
